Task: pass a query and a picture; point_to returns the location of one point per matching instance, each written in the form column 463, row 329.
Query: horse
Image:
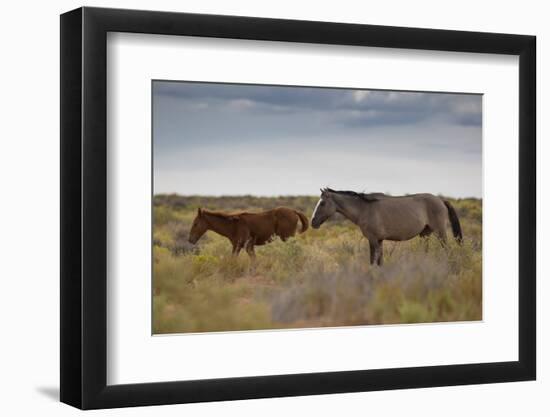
column 382, row 217
column 245, row 229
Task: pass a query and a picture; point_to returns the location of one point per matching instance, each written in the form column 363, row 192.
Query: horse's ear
column 199, row 212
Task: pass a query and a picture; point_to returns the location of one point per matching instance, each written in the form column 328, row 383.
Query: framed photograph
column 258, row 208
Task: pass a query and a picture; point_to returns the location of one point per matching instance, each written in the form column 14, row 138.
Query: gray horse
column 382, row 217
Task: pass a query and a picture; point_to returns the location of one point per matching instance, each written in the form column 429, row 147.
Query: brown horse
column 382, row 217
column 246, row 229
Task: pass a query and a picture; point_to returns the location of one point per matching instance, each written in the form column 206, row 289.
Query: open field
column 319, row 278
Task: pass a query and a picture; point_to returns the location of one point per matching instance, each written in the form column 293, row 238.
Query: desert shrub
column 163, row 215
column 319, row 278
column 209, row 308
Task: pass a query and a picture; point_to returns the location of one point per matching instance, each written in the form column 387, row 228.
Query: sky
column 238, row 139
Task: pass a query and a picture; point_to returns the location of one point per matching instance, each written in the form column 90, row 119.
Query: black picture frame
column 84, row 207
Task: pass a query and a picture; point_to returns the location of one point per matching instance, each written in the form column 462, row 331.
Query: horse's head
column 325, row 208
column 198, row 228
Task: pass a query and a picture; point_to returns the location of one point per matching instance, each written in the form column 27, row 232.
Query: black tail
column 455, row 223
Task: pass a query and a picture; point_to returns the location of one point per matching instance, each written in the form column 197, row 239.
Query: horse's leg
column 372, row 249
column 425, row 235
column 237, row 246
column 241, row 238
column 250, row 249
column 375, row 247
column 441, row 234
column 283, row 234
column 380, row 250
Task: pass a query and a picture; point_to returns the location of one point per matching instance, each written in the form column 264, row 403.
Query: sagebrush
column 319, row 278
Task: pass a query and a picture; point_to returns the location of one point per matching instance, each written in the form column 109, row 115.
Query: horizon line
column 301, row 195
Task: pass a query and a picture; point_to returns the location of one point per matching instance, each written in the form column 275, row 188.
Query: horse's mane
column 369, row 197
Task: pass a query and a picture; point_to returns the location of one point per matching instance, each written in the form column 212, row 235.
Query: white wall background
column 29, row 173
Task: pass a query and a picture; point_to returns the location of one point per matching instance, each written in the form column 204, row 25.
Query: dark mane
column 369, row 197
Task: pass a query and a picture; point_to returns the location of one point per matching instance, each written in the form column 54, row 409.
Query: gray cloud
column 251, row 135
column 353, row 107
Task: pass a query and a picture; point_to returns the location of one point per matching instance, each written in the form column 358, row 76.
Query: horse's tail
column 303, row 219
column 455, row 223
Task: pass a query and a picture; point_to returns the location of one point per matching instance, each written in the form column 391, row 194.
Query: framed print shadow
column 257, row 208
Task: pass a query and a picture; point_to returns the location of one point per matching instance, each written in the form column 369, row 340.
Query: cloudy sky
column 234, row 139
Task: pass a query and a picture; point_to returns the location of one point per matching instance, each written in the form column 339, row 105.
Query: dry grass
column 319, row 278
